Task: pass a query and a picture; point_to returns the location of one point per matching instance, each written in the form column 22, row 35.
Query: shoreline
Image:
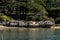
column 23, row 28
column 55, row 27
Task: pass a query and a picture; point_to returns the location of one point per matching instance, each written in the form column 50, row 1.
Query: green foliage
column 57, row 20
column 5, row 18
column 34, row 9
column 58, row 25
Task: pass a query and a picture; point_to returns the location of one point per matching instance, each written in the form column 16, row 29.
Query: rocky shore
column 11, row 28
column 16, row 28
column 54, row 27
column 21, row 28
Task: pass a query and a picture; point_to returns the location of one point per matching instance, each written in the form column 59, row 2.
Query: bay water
column 29, row 34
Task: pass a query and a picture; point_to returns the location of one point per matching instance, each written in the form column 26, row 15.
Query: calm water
column 41, row 34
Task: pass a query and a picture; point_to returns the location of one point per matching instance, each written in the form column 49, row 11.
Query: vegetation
column 5, row 18
column 30, row 10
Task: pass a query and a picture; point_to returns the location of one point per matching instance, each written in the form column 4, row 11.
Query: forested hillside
column 30, row 10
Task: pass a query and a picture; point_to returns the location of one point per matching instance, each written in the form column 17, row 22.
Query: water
column 41, row 34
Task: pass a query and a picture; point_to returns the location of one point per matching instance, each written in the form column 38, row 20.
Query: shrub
column 57, row 21
column 5, row 18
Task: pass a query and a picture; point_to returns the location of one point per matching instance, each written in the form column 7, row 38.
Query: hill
column 30, row 9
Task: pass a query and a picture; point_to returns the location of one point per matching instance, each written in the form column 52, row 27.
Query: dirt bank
column 55, row 27
column 22, row 28
column 11, row 28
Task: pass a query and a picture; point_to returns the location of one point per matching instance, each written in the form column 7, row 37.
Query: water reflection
column 41, row 34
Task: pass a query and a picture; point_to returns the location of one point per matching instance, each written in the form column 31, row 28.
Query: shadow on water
column 30, row 34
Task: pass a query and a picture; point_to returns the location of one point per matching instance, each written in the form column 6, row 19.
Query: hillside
column 30, row 10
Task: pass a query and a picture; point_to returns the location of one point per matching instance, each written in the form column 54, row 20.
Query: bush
column 5, row 18
column 57, row 25
column 57, row 21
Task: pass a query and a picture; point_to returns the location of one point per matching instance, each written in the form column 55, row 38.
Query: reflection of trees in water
column 30, row 34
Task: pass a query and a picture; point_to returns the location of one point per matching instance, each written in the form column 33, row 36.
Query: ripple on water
column 31, row 34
